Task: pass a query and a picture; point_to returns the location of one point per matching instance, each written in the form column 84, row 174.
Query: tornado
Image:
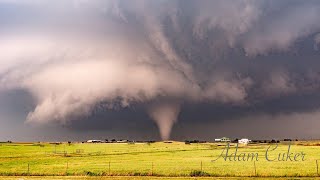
column 165, row 114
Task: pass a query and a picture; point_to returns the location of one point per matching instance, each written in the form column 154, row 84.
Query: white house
column 94, row 141
column 244, row 141
column 223, row 139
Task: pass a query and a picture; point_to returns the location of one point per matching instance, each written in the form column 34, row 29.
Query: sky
column 159, row 70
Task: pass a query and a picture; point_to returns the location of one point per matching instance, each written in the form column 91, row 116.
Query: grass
column 156, row 159
column 134, row 178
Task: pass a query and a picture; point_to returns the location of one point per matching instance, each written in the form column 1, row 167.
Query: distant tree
column 236, row 140
column 113, row 140
column 69, row 143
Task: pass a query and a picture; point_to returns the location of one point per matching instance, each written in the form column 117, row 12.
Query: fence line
column 149, row 168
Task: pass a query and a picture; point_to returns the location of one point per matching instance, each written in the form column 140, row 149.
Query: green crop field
column 160, row 159
column 141, row 178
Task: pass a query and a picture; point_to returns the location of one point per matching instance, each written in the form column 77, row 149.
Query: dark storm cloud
column 112, row 65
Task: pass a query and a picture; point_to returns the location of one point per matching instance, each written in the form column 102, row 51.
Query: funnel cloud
column 165, row 115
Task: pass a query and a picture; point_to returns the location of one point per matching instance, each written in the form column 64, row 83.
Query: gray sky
column 163, row 69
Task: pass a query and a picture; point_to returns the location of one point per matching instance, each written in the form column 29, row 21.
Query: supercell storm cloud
column 166, row 57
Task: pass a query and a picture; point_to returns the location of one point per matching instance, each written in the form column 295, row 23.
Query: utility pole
column 109, row 168
column 152, row 169
column 317, row 167
column 255, row 169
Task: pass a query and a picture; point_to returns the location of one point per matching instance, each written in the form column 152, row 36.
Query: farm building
column 244, row 141
column 223, row 139
column 122, row 141
column 94, row 141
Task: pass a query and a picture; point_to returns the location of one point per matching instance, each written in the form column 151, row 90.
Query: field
column 140, row 178
column 160, row 159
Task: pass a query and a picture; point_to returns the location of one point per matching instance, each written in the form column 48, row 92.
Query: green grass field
column 140, row 178
column 161, row 159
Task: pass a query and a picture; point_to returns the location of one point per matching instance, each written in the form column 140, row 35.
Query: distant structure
column 122, row 141
column 94, row 141
column 244, row 141
column 223, row 139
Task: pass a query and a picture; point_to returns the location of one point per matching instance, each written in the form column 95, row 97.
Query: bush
column 197, row 173
column 89, row 173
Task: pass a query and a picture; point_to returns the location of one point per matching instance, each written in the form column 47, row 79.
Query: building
column 223, row 139
column 244, row 141
column 122, row 141
column 94, row 141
